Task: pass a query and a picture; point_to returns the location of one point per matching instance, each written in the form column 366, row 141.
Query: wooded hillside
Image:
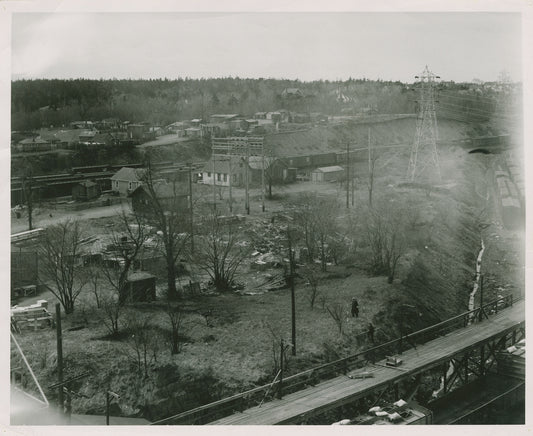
column 38, row 103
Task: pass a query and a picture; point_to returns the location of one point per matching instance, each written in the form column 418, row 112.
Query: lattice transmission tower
column 424, row 161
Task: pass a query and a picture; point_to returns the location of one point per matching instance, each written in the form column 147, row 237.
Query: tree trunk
column 68, row 306
column 30, row 216
column 323, row 255
column 175, row 348
column 172, row 292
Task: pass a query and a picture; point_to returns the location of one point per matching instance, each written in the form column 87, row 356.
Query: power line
column 463, row 108
column 468, row 96
column 474, row 111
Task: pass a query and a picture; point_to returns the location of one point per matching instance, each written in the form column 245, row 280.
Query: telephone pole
column 239, row 148
column 293, row 297
column 213, row 155
column 191, row 213
column 347, row 175
column 247, row 181
column 59, row 340
column 424, row 160
column 262, row 177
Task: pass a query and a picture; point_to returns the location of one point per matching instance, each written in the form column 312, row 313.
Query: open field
column 235, row 346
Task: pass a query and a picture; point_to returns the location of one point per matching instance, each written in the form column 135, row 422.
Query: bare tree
column 385, row 232
column 325, row 226
column 112, row 306
column 59, row 250
column 93, row 276
column 303, row 212
column 314, row 217
column 373, row 156
column 271, row 176
column 168, row 211
column 337, row 313
column 28, row 190
column 220, row 251
column 312, row 280
column 175, row 316
column 141, row 342
column 128, row 239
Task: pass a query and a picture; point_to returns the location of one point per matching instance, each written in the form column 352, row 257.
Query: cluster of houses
column 222, row 125
column 109, row 132
column 113, row 132
column 25, row 259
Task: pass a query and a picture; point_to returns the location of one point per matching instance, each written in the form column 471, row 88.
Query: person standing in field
column 371, row 330
column 355, row 308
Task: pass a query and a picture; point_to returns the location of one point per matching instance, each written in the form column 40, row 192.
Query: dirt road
column 47, row 216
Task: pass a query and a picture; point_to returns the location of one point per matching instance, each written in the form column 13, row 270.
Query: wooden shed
column 140, row 286
column 85, row 191
column 327, row 174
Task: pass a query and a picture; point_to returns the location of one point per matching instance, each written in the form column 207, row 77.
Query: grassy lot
column 236, row 347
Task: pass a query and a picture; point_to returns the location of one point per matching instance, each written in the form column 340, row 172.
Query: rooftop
column 332, row 169
column 163, row 189
column 129, row 174
column 87, row 184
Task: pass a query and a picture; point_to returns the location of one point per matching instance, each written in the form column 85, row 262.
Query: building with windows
column 327, row 174
column 219, row 172
column 168, row 196
column 126, row 180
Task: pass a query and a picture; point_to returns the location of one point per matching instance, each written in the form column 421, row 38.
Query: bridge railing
column 256, row 396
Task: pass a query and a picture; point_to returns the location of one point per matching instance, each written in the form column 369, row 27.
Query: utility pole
column 347, row 175
column 214, row 182
column 59, row 337
column 281, row 351
column 230, row 185
column 108, row 395
column 262, row 176
column 353, row 191
column 424, row 159
column 107, row 402
column 370, row 171
column 191, row 214
column 247, row 182
column 293, row 299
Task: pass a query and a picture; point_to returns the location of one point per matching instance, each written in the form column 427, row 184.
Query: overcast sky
column 305, row 46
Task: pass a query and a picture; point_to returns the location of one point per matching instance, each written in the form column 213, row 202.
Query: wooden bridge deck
column 342, row 390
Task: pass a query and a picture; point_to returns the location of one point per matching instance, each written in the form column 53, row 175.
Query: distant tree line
column 41, row 103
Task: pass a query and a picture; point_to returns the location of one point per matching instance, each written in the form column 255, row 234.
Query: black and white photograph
column 265, row 215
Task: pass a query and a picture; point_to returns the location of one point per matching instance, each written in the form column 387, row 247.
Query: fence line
column 312, row 376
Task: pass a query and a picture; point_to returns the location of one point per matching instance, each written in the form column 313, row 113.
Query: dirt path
column 48, row 216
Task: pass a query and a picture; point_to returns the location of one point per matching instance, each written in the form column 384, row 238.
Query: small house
column 34, row 144
column 292, row 93
column 136, row 131
column 140, row 286
column 87, row 135
column 327, row 174
column 275, row 169
column 126, row 180
column 219, row 171
column 214, row 129
column 177, row 127
column 170, row 196
column 193, row 132
column 299, row 118
column 86, row 190
column 223, row 118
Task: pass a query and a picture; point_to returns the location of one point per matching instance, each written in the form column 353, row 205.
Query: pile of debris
column 36, row 316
